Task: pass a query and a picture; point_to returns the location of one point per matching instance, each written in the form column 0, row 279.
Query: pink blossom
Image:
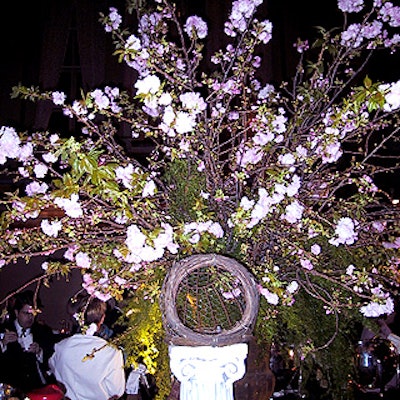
column 120, row 281
column 262, row 138
column 306, row 264
column 376, row 309
column 195, row 26
column 165, row 99
column 266, row 91
column 193, row 101
column 88, row 283
column 121, row 219
column 114, row 20
column 390, row 13
column 378, row 226
column 279, row 122
column 351, row 5
column 58, row 98
column 51, row 228
column 19, row 206
column 246, row 204
column 286, row 159
column 301, row 151
column 251, row 155
column 166, row 239
column 332, row 153
column 315, row 249
column 83, row 260
column 261, row 209
column 23, row 172
column 216, row 230
column 392, row 245
column 233, row 115
column 184, row 122
column 149, row 188
column 26, row 152
column 40, row 170
column 148, row 85
column 294, row 186
column 272, row 298
column 201, row 166
column 9, row 144
column 54, row 138
column 135, row 238
column 292, row 287
column 149, row 253
column 79, row 108
column 392, row 98
column 294, row 212
column 169, row 115
column 345, row 231
column 352, row 37
column 100, row 99
column 71, row 206
column 266, row 33
column 232, row 294
column 36, row 188
column 133, row 43
column 350, row 270
column 102, row 296
column 124, row 175
column 49, row 158
column 140, row 251
column 69, row 254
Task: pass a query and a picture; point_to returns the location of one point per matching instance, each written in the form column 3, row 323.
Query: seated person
column 87, row 365
column 26, row 346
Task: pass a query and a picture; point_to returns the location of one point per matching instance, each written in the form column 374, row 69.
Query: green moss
column 184, row 183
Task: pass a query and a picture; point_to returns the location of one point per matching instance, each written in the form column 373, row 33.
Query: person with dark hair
column 77, row 303
column 87, row 365
column 25, row 345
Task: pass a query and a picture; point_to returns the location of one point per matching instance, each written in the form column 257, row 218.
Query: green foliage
column 143, row 338
column 319, row 339
column 185, row 184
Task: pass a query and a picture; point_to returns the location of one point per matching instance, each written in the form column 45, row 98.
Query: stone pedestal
column 206, row 372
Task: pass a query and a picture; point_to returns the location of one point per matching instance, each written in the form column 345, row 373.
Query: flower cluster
column 281, row 180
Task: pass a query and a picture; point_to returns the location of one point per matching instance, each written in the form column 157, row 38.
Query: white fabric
column 88, row 378
column 208, row 373
column 134, row 378
column 395, row 340
column 25, row 339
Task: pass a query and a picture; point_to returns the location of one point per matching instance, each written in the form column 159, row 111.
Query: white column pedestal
column 208, row 373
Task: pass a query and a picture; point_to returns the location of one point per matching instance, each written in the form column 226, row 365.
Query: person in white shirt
column 86, row 365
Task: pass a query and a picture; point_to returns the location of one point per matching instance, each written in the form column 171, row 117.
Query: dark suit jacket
column 19, row 368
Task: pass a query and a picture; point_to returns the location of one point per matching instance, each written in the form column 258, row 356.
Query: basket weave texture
column 209, row 300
